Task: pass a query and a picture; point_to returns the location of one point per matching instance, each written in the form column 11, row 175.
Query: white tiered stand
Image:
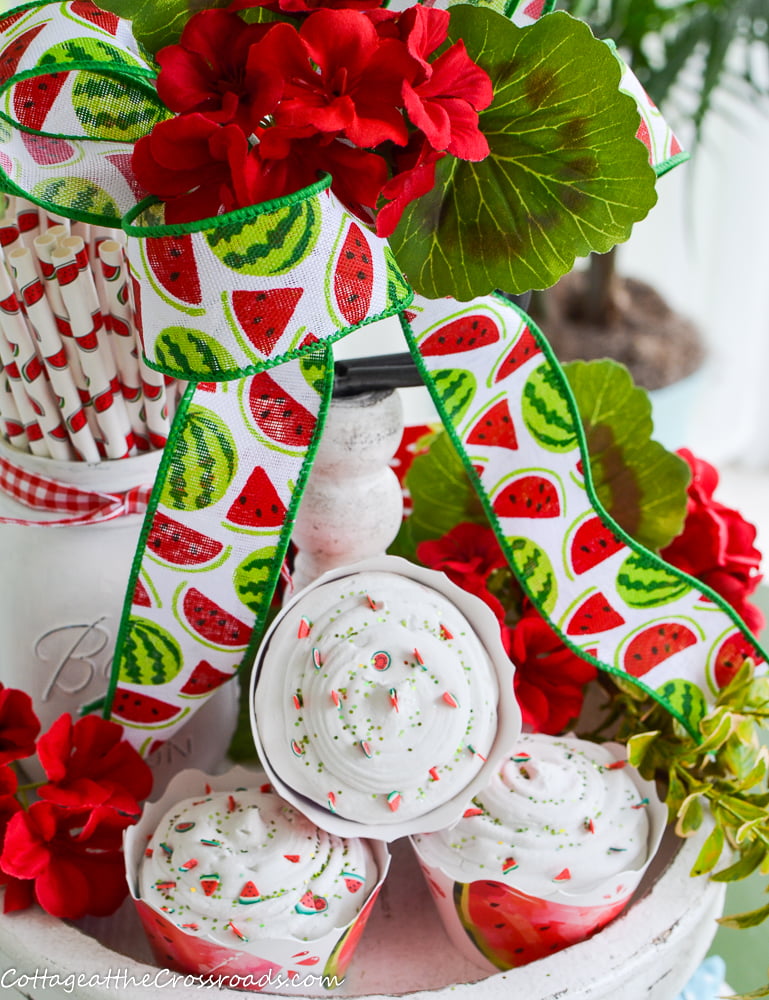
column 649, row 953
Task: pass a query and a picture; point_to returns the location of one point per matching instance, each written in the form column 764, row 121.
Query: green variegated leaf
column 690, row 816
column 565, row 174
column 710, row 852
column 742, row 920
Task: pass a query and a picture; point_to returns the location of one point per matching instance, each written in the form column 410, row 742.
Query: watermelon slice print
column 11, row 54
column 34, row 97
column 592, row 543
column 354, row 276
column 463, row 334
column 203, row 680
column 345, row 947
column 90, row 12
column 528, row 496
column 594, row 615
column 172, row 262
column 177, row 544
column 494, row 428
column 731, row 653
column 258, row 504
column 134, row 708
column 655, row 644
column 264, row 315
column 210, row 622
column 525, row 348
column 278, row 416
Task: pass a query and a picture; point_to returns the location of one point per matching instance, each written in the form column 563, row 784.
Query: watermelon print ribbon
column 509, row 410
column 245, row 308
column 80, row 505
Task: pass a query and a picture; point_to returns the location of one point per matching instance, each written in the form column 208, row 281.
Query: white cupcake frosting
column 560, row 815
column 375, row 698
column 245, row 865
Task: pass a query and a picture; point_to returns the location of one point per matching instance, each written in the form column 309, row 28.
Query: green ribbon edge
column 634, row 546
column 283, row 539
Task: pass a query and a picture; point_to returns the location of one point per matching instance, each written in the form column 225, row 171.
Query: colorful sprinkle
column 589, row 826
column 381, row 660
column 249, row 894
column 521, row 758
column 293, row 858
column 210, row 883
column 148, row 852
column 190, row 927
column 617, row 765
column 524, row 773
column 394, row 801
column 352, row 881
column 336, row 698
column 474, row 752
column 304, row 628
column 189, row 865
column 509, row 865
column 184, row 827
column 165, row 886
column 298, row 700
column 207, row 789
column 366, row 748
column 450, row 700
column 472, row 811
column 316, row 658
column 418, row 658
column 331, row 801
column 168, row 909
column 562, row 876
column 296, row 748
column 232, row 804
column 371, row 603
column 617, row 850
column 210, row 843
column 310, row 904
column 445, row 634
column 238, row 933
column 266, row 788
column 641, row 804
column 433, row 772
column 393, row 694
column 166, row 849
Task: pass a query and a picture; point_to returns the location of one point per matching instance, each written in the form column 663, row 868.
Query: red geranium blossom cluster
column 64, row 850
column 369, row 96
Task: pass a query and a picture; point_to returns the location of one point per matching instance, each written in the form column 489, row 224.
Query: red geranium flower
column 19, row 725
column 217, row 68
column 303, row 6
column 467, row 554
column 89, row 764
column 717, row 544
column 341, row 77
column 72, row 856
column 549, row 677
column 414, row 177
column 188, row 162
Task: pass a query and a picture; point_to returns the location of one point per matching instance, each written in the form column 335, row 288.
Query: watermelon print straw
column 122, row 340
column 30, row 367
column 51, row 348
column 28, row 221
column 9, row 415
column 79, row 294
column 35, row 443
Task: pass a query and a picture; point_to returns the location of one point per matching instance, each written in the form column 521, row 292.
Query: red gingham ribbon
column 81, row 505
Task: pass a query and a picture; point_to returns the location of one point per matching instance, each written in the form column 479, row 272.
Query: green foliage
column 639, row 483
column 723, row 776
column 565, row 174
column 679, row 49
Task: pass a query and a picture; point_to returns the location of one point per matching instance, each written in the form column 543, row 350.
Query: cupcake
column 382, row 700
column 546, row 854
column 233, row 881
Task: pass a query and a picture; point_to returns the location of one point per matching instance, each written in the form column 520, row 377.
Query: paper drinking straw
column 30, row 367
column 10, row 420
column 28, row 221
column 85, row 317
column 10, row 237
column 99, row 234
column 27, row 415
column 49, row 220
column 120, row 320
column 53, row 353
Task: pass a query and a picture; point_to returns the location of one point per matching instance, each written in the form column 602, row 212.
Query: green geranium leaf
column 640, row 484
column 157, row 23
column 565, row 174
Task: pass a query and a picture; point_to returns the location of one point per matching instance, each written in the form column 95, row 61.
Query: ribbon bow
column 245, row 308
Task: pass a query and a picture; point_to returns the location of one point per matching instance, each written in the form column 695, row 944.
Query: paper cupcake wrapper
column 497, row 926
column 274, row 965
column 274, row 759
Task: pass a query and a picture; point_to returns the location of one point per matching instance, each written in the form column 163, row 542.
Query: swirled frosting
column 559, row 814
column 375, row 698
column 246, row 865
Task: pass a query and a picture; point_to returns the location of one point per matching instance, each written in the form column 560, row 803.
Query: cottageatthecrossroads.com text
column 159, row 979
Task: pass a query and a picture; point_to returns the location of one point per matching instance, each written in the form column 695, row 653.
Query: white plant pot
column 649, row 953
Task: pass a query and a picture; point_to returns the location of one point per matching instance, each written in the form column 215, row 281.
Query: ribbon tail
column 214, row 539
column 508, row 408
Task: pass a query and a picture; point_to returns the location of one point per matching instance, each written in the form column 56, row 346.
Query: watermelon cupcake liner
column 228, row 949
column 498, row 926
column 382, row 700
